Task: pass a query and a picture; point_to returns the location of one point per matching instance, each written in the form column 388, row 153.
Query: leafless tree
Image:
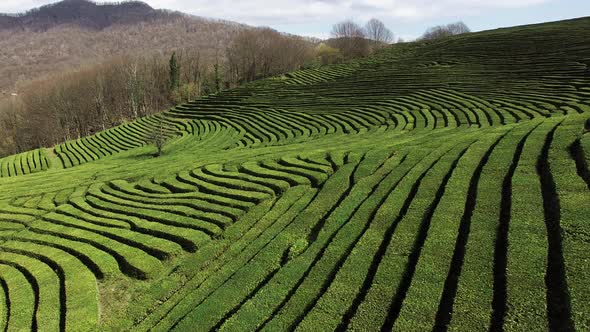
column 458, row 28
column 347, row 29
column 135, row 89
column 441, row 31
column 192, row 72
column 9, row 124
column 99, row 100
column 376, row 31
column 264, row 52
column 350, row 39
column 157, row 137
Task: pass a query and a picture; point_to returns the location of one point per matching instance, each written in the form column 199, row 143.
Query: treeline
column 442, row 31
column 259, row 53
column 79, row 103
column 350, row 40
column 82, row 102
column 74, row 104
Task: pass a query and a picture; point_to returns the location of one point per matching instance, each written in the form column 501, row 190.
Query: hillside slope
column 74, row 33
column 83, row 13
column 434, row 186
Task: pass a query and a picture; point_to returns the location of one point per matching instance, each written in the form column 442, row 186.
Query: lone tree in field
column 376, row 31
column 157, row 137
column 442, row 31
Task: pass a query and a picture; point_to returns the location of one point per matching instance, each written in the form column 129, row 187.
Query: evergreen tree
column 174, row 73
column 217, row 78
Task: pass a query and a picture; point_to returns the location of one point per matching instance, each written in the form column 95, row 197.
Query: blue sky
column 406, row 18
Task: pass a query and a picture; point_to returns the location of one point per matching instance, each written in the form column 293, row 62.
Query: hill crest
column 84, row 13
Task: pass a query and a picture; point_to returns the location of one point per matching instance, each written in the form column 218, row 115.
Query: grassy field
column 436, row 186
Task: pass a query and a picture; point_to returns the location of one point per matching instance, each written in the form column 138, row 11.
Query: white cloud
column 261, row 12
column 301, row 11
column 314, row 17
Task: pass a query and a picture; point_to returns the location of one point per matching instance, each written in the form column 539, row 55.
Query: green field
column 436, row 185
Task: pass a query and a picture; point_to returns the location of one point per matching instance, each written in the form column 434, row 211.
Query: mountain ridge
column 84, row 13
column 71, row 34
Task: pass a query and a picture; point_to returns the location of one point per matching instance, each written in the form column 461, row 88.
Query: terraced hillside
column 433, row 186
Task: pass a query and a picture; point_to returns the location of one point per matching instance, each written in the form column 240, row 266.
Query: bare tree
column 442, row 31
column 192, row 72
column 349, row 38
column 458, row 28
column 134, row 87
column 99, row 100
column 157, row 137
column 376, row 31
column 9, row 125
column 347, row 29
column 264, row 52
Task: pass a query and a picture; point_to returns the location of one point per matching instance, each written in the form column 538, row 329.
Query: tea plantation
column 436, row 186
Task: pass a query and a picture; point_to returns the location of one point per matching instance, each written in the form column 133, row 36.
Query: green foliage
column 174, row 72
column 297, row 248
column 217, row 76
column 327, row 54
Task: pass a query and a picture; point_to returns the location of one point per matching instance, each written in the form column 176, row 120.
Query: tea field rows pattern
column 432, row 186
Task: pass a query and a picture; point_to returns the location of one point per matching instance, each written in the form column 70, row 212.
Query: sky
column 408, row 19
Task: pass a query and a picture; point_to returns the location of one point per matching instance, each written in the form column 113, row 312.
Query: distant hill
column 72, row 33
column 85, row 14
